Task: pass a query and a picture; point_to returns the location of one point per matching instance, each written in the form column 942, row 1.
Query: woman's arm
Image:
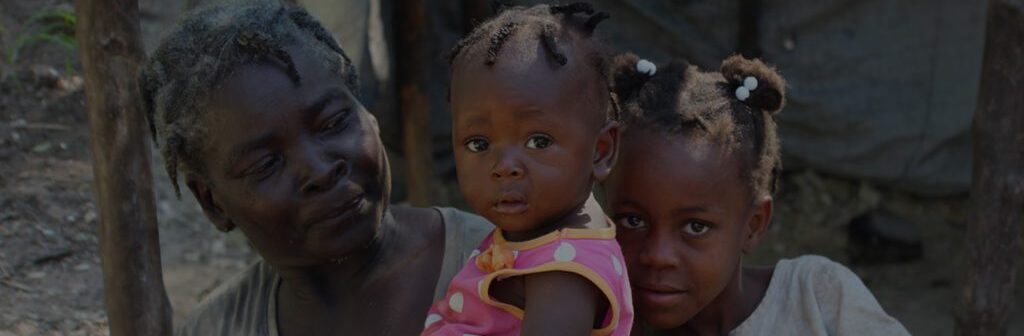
column 561, row 303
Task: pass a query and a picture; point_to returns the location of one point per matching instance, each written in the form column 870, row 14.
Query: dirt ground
column 50, row 280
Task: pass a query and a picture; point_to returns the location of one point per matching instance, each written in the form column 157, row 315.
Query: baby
column 532, row 134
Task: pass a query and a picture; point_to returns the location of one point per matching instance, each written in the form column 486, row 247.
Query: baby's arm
column 561, row 303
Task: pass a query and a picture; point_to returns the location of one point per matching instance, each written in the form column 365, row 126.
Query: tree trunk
column 414, row 106
column 111, row 49
column 994, row 234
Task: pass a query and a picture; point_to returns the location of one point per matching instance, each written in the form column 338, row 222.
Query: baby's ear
column 606, row 150
column 204, row 195
column 758, row 223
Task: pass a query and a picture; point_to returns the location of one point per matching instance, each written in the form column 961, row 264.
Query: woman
column 254, row 103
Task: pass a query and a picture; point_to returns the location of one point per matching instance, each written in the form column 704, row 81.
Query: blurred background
column 876, row 139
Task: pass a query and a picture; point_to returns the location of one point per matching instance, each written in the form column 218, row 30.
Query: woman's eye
column 631, row 222
column 695, row 228
column 477, row 145
column 538, row 142
column 336, row 122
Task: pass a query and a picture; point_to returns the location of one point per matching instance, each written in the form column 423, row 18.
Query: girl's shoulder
column 813, row 295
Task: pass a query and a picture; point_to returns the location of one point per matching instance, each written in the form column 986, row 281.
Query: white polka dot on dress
column 431, row 319
column 617, row 265
column 565, row 252
column 455, row 302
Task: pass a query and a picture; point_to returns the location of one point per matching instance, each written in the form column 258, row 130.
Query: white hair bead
column 646, row 67
column 750, row 83
column 742, row 93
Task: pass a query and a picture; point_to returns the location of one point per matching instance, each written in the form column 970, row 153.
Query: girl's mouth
column 661, row 296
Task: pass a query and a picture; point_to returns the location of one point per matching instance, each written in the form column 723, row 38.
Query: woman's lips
column 341, row 213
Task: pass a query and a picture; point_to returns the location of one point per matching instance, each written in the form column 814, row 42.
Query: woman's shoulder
column 467, row 227
column 239, row 306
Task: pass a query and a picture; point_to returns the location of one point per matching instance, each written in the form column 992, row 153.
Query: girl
column 253, row 102
column 530, row 106
column 692, row 194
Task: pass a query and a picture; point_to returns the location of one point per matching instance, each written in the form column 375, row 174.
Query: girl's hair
column 208, row 46
column 554, row 26
column 679, row 99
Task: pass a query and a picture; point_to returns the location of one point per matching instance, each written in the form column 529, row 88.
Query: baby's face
column 683, row 213
column 526, row 136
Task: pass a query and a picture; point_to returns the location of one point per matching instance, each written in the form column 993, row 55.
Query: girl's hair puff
column 680, row 99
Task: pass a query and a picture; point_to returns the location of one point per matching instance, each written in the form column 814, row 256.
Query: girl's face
column 684, row 219
column 300, row 169
column 528, row 138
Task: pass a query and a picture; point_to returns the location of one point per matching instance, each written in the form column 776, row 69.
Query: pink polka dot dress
column 467, row 309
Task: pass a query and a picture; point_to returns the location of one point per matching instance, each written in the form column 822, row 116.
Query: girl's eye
column 477, row 145
column 631, row 222
column 264, row 168
column 538, row 142
column 695, row 228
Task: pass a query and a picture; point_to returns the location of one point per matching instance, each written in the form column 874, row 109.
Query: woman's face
column 299, row 168
column 684, row 219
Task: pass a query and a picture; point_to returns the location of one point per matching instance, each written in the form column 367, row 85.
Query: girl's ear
column 758, row 223
column 606, row 151
column 201, row 190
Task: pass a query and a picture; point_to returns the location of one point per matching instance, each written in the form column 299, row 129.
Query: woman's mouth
column 341, row 213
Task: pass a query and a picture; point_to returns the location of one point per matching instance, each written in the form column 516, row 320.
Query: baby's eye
column 696, row 228
column 477, row 145
column 631, row 222
column 538, row 141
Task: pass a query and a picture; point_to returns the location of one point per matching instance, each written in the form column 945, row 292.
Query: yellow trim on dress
column 564, row 233
column 566, row 266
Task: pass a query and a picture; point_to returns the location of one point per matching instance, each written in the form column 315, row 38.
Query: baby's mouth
column 511, row 203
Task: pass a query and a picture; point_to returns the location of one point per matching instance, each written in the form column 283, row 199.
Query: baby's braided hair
column 207, row 47
column 679, row 99
column 549, row 24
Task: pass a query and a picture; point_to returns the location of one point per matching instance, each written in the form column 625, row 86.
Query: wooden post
column 111, row 49
column 997, row 192
column 413, row 103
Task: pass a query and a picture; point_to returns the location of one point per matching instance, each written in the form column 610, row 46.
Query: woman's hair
column 716, row 107
column 555, row 27
column 208, row 46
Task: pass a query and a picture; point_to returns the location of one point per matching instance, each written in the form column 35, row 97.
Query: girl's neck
column 331, row 282
column 733, row 306
column 588, row 214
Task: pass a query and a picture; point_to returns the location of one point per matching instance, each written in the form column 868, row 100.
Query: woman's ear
column 758, row 223
column 201, row 190
column 606, row 150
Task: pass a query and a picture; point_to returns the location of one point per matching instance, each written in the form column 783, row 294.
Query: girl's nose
column 323, row 174
column 658, row 252
column 508, row 167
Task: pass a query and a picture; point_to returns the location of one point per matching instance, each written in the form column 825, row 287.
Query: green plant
column 56, row 26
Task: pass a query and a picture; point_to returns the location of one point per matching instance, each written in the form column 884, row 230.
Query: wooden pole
column 111, row 49
column 997, row 192
column 414, row 105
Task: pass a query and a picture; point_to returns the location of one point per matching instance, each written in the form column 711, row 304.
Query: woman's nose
column 508, row 166
column 323, row 173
